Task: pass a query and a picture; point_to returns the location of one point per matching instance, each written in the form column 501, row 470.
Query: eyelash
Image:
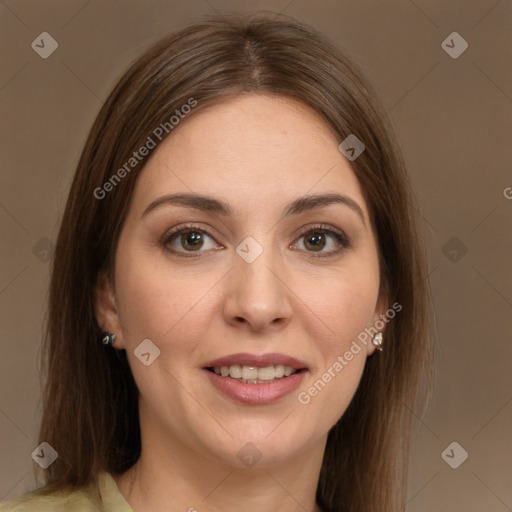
column 339, row 236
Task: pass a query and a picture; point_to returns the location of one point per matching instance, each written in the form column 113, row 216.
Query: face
column 239, row 279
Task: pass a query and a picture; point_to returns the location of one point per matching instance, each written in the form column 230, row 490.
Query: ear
column 379, row 319
column 380, row 309
column 106, row 310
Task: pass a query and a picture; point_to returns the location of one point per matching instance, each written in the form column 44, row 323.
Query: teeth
column 279, row 371
column 254, row 374
column 248, row 372
column 266, row 373
column 235, row 371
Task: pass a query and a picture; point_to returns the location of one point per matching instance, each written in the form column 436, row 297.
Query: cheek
column 156, row 301
column 326, row 395
column 344, row 307
column 337, row 317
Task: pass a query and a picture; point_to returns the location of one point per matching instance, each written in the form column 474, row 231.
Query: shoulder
column 53, row 502
column 80, row 500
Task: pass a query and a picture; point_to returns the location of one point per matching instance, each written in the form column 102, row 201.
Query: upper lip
column 260, row 360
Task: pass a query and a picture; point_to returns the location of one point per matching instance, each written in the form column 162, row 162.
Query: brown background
column 453, row 118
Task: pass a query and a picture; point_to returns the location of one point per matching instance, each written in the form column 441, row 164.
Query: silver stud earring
column 108, row 338
column 377, row 341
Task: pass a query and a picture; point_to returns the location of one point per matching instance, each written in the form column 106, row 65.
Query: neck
column 168, row 472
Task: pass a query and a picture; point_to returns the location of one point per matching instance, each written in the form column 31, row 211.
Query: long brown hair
column 90, row 411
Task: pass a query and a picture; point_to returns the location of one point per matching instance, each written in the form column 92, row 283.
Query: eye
column 315, row 239
column 187, row 239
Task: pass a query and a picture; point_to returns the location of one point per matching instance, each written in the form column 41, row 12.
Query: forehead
column 249, row 151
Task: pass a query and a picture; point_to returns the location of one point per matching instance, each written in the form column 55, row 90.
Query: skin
column 258, row 153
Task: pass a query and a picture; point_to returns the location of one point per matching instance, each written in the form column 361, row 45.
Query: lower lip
column 256, row 394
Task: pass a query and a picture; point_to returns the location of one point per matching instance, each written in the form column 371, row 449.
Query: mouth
column 254, row 374
column 256, row 379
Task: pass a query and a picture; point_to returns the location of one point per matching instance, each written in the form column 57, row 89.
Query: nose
column 258, row 297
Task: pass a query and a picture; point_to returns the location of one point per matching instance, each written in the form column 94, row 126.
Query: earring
column 108, row 338
column 377, row 341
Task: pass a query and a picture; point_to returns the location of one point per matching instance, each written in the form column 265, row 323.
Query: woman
column 239, row 306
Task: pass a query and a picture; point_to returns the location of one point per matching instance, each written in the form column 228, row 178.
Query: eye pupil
column 190, row 239
column 318, row 241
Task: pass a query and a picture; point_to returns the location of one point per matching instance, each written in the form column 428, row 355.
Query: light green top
column 76, row 501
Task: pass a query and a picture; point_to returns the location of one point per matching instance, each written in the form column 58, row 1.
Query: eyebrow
column 210, row 204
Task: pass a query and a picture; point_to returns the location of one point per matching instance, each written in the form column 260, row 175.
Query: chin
column 258, row 444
